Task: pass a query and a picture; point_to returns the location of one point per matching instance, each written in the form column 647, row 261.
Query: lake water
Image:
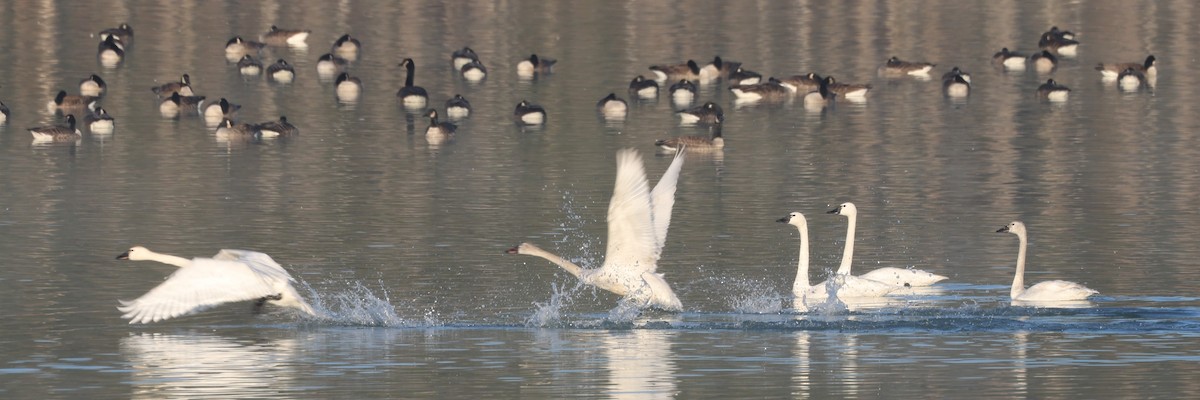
column 402, row 241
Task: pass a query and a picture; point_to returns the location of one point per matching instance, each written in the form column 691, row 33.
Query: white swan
column 1043, row 291
column 637, row 229
column 850, row 286
column 203, row 283
column 907, row 277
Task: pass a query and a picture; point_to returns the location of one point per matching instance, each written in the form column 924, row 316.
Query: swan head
column 846, row 209
column 795, row 219
column 1015, row 227
column 135, row 253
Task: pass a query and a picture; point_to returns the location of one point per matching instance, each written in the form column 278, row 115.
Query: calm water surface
column 403, row 240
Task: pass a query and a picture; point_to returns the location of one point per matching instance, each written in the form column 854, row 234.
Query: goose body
column 100, row 122
column 673, row 72
column 330, row 65
column 846, row 286
column 177, row 105
column 742, row 76
column 898, row 277
column 802, row 83
column 228, row 130
column 203, row 283
column 848, row 91
column 529, row 114
column 281, row 71
column 411, row 95
column 1044, row 62
column 707, row 113
column 612, row 106
column 1110, row 71
column 769, row 91
column 249, row 66
column 57, row 133
column 346, row 87
column 462, row 57
column 1131, row 79
column 237, row 47
column 346, row 47
column 897, row 67
column 183, row 86
column 1059, row 41
column 1010, row 60
column 717, row 69
column 643, row 88
column 110, row 51
column 474, row 71
column 535, row 65
column 458, row 107
column 93, row 86
column 682, row 92
column 277, row 128
column 638, row 219
column 438, row 131
column 956, row 86
column 3, row 113
column 71, row 103
column 1047, row 291
column 221, row 109
column 956, row 72
column 286, row 37
column 123, row 33
column 1053, row 91
column 819, row 98
column 693, row 143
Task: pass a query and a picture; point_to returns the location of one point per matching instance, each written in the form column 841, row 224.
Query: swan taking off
column 638, row 218
column 850, row 286
column 906, row 277
column 203, row 283
column 1043, row 291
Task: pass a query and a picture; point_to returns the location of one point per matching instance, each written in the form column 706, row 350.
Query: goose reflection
column 194, row 366
column 640, row 364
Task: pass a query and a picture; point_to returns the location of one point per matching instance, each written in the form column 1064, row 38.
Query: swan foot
column 258, row 304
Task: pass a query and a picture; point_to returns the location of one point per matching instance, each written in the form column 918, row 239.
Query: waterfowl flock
column 638, row 216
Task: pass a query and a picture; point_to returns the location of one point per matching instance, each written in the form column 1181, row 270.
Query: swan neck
column 575, row 270
column 169, row 259
column 848, row 251
column 1018, row 285
column 801, row 284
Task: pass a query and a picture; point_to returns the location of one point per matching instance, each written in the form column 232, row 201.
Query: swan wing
column 631, row 240
column 662, row 200
column 260, row 263
column 661, row 295
column 205, row 284
column 903, row 276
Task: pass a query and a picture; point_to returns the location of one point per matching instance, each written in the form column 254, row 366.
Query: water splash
column 357, row 305
column 549, row 314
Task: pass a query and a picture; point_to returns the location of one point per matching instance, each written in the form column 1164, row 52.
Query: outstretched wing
column 203, row 285
column 662, row 200
column 631, row 238
column 260, row 263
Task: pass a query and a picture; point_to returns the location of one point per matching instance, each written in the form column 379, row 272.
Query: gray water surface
column 402, row 241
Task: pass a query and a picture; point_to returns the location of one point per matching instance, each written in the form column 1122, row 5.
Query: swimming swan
column 850, row 286
column 638, row 218
column 890, row 275
column 203, row 283
column 1043, row 291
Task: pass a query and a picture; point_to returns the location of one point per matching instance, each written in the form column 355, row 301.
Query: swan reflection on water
column 640, row 364
column 192, row 366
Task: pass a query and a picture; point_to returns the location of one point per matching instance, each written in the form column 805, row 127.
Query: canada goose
column 110, row 51
column 202, row 283
column 1053, row 91
column 221, row 109
column 3, row 113
column 717, row 69
column 638, row 220
column 438, row 131
column 707, row 113
column 1131, row 79
column 286, row 37
column 1044, row 62
column 901, row 277
column 71, row 103
column 857, row 91
column 693, row 143
column 474, row 71
column 462, row 57
column 123, row 32
column 535, row 65
column 682, row 92
column 249, row 66
column 742, row 76
column 819, row 98
column 100, row 122
column 57, row 133
column 237, row 47
column 673, row 72
column 346, row 47
column 956, row 86
column 346, row 87
column 897, row 67
column 1061, row 33
column 1058, row 42
column 612, row 106
column 281, row 71
column 956, row 72
column 93, row 86
column 458, row 107
column 230, row 130
column 330, row 65
column 279, row 128
column 802, row 83
column 411, row 95
column 1009, row 59
column 1110, row 71
column 1047, row 291
column 177, row 105
column 643, row 88
column 769, row 91
column 183, row 87
column 529, row 114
